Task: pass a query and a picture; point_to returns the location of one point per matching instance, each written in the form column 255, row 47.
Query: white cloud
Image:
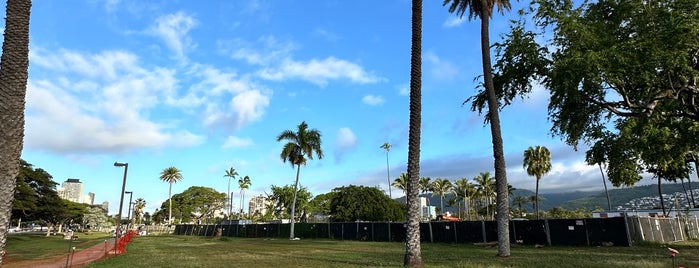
column 372, row 100
column 108, row 65
column 453, row 22
column 345, row 143
column 319, row 71
column 267, row 50
column 235, row 142
column 404, row 89
column 173, row 29
column 439, row 68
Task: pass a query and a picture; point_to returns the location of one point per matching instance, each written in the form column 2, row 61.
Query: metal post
column 121, row 204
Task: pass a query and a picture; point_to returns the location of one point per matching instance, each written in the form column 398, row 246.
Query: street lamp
column 128, row 216
column 121, row 204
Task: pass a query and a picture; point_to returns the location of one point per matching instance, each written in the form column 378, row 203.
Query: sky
column 208, row 85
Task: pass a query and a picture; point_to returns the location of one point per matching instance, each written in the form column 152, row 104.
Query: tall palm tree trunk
column 293, row 203
column 169, row 198
column 14, row 66
column 609, row 204
column 230, row 198
column 536, row 199
column 413, row 255
column 500, row 168
column 388, row 177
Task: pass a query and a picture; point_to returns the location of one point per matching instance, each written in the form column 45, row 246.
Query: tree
column 320, row 205
column 413, row 255
column 170, row 175
column 486, row 183
column 387, row 146
column 425, row 185
column 244, row 183
column 519, row 201
column 281, row 198
column 139, row 205
column 401, row 182
column 197, row 204
column 537, row 162
column 230, row 173
column 440, row 188
column 353, row 203
column 483, row 9
column 95, row 218
column 300, row 145
column 464, row 189
column 14, row 69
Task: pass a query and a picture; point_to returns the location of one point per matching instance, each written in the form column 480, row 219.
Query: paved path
column 78, row 258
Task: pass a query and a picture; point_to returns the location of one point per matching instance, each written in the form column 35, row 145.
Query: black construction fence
column 564, row 232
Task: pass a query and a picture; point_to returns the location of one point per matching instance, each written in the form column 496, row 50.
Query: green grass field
column 191, row 251
column 185, row 251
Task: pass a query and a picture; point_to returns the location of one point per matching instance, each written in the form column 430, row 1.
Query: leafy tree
column 95, row 218
column 300, row 146
column 170, row 175
column 483, row 9
column 197, row 204
column 387, row 146
column 537, row 162
column 401, row 182
column 244, row 183
column 320, row 204
column 440, row 188
column 14, row 69
column 281, row 197
column 352, row 203
column 520, row 201
column 413, row 256
column 231, row 174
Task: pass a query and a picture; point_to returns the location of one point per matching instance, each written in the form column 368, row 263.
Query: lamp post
column 121, row 204
column 128, row 216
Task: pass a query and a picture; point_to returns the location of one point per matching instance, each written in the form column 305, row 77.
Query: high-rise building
column 258, row 204
column 105, row 206
column 71, row 190
column 427, row 212
column 89, row 198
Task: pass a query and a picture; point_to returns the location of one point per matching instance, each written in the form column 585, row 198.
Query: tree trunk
column 169, row 198
column 413, row 255
column 388, row 176
column 230, row 203
column 14, row 65
column 503, row 218
column 293, row 203
column 660, row 194
column 609, row 204
column 536, row 199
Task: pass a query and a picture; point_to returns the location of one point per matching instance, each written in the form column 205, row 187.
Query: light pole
column 128, row 216
column 121, row 204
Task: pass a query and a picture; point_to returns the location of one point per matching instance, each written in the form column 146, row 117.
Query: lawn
column 27, row 246
column 188, row 251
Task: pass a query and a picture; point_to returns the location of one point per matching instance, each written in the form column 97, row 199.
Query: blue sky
column 209, row 85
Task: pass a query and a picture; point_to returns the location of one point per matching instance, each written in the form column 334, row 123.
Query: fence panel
column 469, row 231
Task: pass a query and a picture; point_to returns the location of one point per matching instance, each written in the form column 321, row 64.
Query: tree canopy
column 196, row 204
column 352, row 203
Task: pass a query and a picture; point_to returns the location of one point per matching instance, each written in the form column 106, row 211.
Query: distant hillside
column 579, row 199
column 618, row 197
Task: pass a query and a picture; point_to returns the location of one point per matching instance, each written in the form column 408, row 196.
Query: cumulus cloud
column 372, row 100
column 453, row 22
column 173, row 29
column 266, row 50
column 319, row 72
column 346, row 142
column 440, row 68
column 235, row 142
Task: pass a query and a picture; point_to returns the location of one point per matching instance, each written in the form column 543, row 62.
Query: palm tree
column 300, row 145
column 387, row 146
column 464, row 190
column 244, row 183
column 441, row 187
column 13, row 89
column 170, row 175
column 425, row 185
column 138, row 207
column 401, row 182
column 537, row 162
column 231, row 174
column 520, row 200
column 486, row 183
column 413, row 257
column 483, row 9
